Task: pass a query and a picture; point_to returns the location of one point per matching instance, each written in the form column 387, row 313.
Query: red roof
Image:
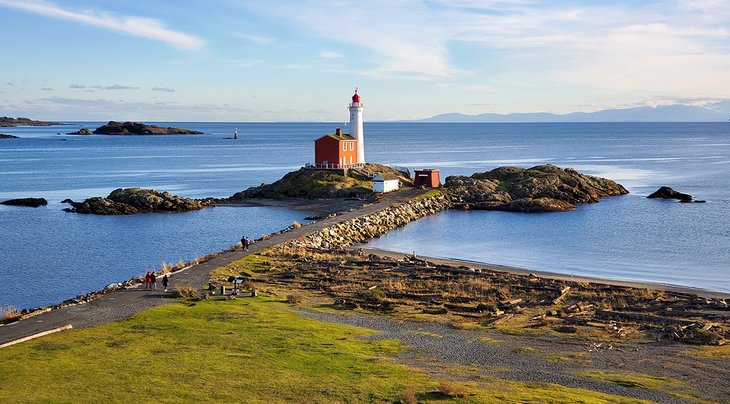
column 356, row 97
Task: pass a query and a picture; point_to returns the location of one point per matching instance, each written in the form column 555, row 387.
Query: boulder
column 30, row 202
column 127, row 201
column 669, row 193
column 82, row 132
column 136, row 128
column 545, row 188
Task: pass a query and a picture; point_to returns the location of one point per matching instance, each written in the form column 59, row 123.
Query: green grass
column 240, row 350
column 712, row 352
column 630, row 379
column 252, row 264
column 667, row 385
column 243, row 350
column 430, row 193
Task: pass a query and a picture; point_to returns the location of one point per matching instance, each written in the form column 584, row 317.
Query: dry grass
column 187, row 293
column 452, row 390
column 9, row 312
column 409, row 397
column 294, row 298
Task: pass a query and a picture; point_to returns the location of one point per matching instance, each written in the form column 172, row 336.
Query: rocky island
column 136, row 128
column 316, row 183
column 544, row 188
column 30, row 202
column 6, row 122
column 4, row 136
column 128, row 201
column 82, row 132
column 669, row 193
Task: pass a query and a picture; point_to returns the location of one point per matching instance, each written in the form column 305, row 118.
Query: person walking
column 246, row 243
column 243, row 243
column 147, row 280
column 165, row 282
column 153, row 281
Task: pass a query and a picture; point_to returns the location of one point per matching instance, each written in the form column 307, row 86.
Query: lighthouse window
column 352, row 146
column 344, row 146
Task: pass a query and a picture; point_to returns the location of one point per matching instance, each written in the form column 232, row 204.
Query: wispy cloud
column 607, row 46
column 329, row 54
column 164, row 89
column 77, row 86
column 135, row 26
column 258, row 39
column 115, row 87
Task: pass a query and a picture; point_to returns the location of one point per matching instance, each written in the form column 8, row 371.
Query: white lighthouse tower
column 356, row 131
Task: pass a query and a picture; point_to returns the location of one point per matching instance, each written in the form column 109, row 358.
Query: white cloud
column 136, row 26
column 258, row 39
column 329, row 54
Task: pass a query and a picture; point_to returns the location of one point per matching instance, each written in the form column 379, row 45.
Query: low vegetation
column 242, row 350
column 472, row 299
column 313, row 184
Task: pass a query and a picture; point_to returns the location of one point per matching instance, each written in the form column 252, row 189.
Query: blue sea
column 48, row 255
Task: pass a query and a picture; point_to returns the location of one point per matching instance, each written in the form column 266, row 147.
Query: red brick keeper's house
column 337, row 150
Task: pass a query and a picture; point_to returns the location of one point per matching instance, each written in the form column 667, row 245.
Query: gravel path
column 509, row 357
column 123, row 303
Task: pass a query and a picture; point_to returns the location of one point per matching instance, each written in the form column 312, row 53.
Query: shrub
column 452, row 390
column 373, row 295
column 187, row 293
column 294, row 298
column 9, row 312
column 408, row 397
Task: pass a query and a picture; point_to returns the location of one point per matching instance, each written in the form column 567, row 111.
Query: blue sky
column 300, row 60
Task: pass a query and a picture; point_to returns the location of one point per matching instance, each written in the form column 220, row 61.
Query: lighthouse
column 356, row 130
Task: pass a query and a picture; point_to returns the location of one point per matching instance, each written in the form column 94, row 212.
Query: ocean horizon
column 50, row 255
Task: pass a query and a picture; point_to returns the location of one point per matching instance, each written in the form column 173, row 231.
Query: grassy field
column 244, row 350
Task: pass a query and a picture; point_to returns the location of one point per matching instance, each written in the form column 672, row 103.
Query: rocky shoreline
column 544, row 188
column 136, row 128
column 8, row 122
column 129, row 201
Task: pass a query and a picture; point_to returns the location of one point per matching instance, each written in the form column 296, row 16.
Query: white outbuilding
column 385, row 182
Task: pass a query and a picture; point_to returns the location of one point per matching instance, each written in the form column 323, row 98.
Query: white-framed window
column 352, row 146
column 344, row 146
column 350, row 159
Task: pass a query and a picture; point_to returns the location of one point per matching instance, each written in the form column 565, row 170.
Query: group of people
column 245, row 243
column 150, row 281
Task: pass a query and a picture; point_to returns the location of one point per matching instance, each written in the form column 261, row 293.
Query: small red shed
column 337, row 150
column 428, row 178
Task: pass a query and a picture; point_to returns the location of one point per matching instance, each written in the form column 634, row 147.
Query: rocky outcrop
column 136, row 128
column 128, row 201
column 669, row 193
column 4, row 136
column 545, row 188
column 362, row 228
column 30, row 202
column 314, row 184
column 82, row 132
column 6, row 122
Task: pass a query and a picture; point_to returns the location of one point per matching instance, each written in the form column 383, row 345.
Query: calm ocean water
column 49, row 255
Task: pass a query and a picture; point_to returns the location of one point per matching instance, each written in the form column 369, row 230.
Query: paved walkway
column 123, row 303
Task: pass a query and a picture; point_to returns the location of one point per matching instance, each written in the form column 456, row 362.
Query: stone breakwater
column 362, row 228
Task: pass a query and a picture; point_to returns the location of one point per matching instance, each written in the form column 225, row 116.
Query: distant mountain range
column 715, row 112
